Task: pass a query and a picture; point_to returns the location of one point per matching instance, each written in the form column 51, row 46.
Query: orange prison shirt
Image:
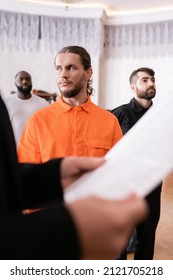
column 61, row 130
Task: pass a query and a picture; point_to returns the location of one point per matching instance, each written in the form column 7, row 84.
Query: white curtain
column 18, row 32
column 139, row 40
column 22, row 32
column 59, row 32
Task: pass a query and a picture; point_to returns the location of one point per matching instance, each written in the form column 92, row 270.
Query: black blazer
column 46, row 234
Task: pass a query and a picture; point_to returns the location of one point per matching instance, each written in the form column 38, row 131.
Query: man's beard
column 147, row 95
column 25, row 91
column 73, row 92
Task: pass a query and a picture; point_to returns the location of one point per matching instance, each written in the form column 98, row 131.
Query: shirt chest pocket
column 98, row 146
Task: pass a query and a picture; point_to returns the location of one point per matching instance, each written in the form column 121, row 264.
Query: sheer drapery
column 139, row 40
column 18, row 32
column 60, row 32
column 22, row 32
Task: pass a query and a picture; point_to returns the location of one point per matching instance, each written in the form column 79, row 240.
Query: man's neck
column 23, row 96
column 76, row 101
column 144, row 102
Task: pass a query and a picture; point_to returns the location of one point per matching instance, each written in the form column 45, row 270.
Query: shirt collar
column 66, row 107
column 137, row 107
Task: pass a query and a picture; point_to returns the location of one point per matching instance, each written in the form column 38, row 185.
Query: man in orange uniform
column 73, row 125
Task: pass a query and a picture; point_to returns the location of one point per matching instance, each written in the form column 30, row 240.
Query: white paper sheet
column 137, row 163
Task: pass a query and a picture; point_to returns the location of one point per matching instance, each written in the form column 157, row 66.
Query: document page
column 137, row 163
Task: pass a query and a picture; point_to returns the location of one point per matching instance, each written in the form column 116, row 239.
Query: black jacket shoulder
column 123, row 114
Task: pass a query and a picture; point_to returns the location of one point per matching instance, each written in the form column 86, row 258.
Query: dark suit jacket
column 46, row 234
column 128, row 114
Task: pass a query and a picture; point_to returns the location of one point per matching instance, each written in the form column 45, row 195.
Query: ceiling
column 112, row 7
column 88, row 8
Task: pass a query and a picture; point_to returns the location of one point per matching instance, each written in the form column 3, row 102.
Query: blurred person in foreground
column 87, row 227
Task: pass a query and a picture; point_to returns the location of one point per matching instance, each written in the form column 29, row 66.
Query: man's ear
column 89, row 73
column 133, row 87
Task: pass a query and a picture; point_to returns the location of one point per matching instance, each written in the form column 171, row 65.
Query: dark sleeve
column 46, row 234
column 40, row 183
column 122, row 118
